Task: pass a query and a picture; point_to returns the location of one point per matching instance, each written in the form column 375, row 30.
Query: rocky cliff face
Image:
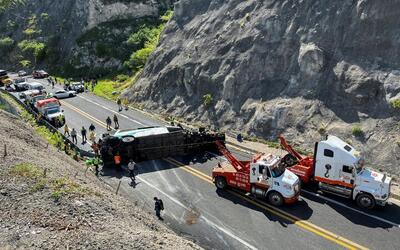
column 80, row 34
column 299, row 67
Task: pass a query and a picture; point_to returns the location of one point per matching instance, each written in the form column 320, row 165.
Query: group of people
column 73, row 133
column 109, row 122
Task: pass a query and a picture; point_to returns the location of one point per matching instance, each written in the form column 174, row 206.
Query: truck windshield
column 278, row 170
column 359, row 165
column 52, row 111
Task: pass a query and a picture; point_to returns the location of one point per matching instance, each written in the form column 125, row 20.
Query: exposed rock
column 282, row 66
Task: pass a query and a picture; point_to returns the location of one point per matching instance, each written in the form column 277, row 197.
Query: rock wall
column 301, row 67
column 61, row 24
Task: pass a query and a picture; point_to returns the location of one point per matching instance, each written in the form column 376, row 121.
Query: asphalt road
column 228, row 219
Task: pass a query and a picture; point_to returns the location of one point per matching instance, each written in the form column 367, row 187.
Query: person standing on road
column 119, row 104
column 83, row 133
column 92, row 127
column 92, row 136
column 116, row 121
column 66, row 130
column 108, row 122
column 158, row 206
column 73, row 135
column 131, row 168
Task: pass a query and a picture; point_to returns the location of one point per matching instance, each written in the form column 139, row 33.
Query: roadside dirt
column 47, row 202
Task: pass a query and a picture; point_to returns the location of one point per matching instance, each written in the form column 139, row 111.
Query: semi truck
column 265, row 177
column 51, row 111
column 337, row 168
column 150, row 143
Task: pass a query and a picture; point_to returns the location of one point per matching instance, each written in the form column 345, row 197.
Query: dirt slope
column 65, row 209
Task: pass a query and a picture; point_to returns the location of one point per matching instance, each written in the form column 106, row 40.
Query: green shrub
column 139, row 58
column 6, row 43
column 357, row 131
column 207, row 99
column 39, row 186
column 25, row 63
column 45, row 16
column 395, row 103
column 122, row 78
column 322, row 129
column 34, row 48
column 25, row 169
column 167, row 15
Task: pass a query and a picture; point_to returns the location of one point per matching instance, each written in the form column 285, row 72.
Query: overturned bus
column 152, row 143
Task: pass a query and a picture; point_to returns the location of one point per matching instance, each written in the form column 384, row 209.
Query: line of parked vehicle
column 34, row 94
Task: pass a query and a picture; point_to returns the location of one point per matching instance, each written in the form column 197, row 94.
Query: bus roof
column 142, row 132
column 47, row 101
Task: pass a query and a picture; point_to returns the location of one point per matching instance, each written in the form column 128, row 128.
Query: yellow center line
column 104, row 125
column 276, row 211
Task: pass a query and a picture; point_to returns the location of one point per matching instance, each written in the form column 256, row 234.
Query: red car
column 39, row 74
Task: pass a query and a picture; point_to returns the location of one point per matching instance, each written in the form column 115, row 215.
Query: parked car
column 64, row 94
column 77, row 86
column 37, row 86
column 22, row 73
column 39, row 74
column 26, row 93
column 20, row 85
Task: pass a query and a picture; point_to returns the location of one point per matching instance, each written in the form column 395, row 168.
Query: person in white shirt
column 132, row 168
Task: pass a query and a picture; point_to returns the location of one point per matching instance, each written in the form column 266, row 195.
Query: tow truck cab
column 50, row 109
column 339, row 169
column 274, row 177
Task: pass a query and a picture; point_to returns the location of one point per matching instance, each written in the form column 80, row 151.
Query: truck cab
column 50, row 110
column 339, row 169
column 270, row 173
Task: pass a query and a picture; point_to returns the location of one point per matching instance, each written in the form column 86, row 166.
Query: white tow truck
column 339, row 169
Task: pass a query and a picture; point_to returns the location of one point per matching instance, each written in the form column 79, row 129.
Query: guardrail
column 53, row 129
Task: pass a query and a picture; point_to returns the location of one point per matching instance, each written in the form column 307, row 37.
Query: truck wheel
column 275, row 198
column 220, row 182
column 365, row 201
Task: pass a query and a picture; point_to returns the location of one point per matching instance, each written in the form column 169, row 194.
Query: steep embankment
column 302, row 68
column 75, row 37
column 61, row 207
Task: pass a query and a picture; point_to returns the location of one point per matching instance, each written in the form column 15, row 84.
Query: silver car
column 64, row 94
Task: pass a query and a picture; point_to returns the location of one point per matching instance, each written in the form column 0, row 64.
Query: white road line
column 335, row 202
column 352, row 209
column 115, row 112
column 227, row 232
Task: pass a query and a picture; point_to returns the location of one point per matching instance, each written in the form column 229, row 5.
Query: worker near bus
column 92, row 127
column 66, row 130
column 117, row 161
column 132, row 168
column 73, row 135
column 125, row 102
column 95, row 148
column 83, row 133
column 92, row 136
column 108, row 122
column 116, row 121
column 96, row 163
column 158, row 206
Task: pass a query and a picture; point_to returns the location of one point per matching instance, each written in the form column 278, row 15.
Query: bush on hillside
column 33, row 48
column 6, row 43
column 357, row 131
column 207, row 99
column 395, row 104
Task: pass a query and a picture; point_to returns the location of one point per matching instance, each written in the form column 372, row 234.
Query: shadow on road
column 302, row 206
column 390, row 212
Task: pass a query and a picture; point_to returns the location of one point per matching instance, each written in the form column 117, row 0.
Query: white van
column 35, row 85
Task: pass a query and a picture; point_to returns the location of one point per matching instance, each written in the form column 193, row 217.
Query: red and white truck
column 50, row 109
column 339, row 169
column 265, row 177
